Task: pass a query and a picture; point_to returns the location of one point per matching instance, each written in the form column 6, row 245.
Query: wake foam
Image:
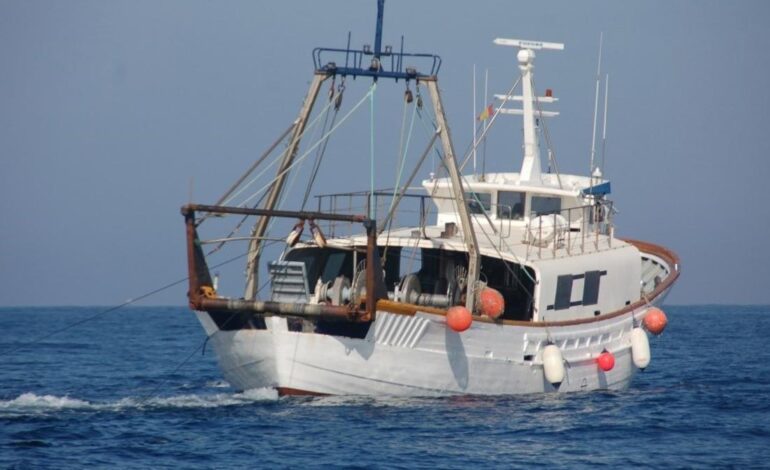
column 30, row 403
column 217, row 384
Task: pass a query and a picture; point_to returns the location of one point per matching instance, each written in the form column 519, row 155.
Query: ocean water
column 132, row 389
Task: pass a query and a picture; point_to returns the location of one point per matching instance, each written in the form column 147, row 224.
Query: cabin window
column 542, row 205
column 478, row 203
column 510, row 205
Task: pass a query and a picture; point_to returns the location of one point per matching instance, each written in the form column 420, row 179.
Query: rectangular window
column 591, row 287
column 542, row 205
column 510, row 205
column 478, row 203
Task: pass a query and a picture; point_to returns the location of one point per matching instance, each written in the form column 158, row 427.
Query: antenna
column 604, row 126
column 484, row 132
column 474, row 119
column 596, row 109
column 525, row 44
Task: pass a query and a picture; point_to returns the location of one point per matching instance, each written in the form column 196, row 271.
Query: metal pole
column 371, row 268
column 378, row 32
column 255, row 248
column 474, row 258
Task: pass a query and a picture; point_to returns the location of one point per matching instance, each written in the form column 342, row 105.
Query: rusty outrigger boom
column 202, row 295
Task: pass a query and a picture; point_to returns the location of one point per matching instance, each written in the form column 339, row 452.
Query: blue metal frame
column 383, row 63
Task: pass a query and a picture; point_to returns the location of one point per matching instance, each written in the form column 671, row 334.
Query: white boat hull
column 420, row 356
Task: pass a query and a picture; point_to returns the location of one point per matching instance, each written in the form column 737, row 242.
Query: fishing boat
column 502, row 283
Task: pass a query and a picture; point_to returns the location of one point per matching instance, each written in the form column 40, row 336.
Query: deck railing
column 412, row 206
column 574, row 229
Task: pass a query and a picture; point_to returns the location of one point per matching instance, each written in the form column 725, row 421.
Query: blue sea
column 134, row 389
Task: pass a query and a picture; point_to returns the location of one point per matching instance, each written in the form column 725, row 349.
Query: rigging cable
column 337, row 99
column 402, row 150
column 313, row 147
column 202, row 347
column 489, row 126
column 111, row 309
column 547, row 135
column 311, row 125
column 389, row 218
column 240, row 223
column 251, row 169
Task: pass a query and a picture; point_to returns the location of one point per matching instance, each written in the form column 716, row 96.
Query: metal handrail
column 590, row 220
column 380, row 198
column 595, row 219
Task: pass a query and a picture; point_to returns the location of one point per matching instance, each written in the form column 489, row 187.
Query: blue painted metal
column 382, row 63
column 378, row 32
column 599, row 189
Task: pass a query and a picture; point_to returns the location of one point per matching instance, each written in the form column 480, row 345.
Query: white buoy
column 640, row 348
column 553, row 365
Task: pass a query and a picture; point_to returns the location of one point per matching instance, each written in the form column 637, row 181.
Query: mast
column 530, row 167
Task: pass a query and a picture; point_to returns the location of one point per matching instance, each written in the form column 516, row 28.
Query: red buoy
column 606, row 361
column 459, row 318
column 491, row 303
column 655, row 321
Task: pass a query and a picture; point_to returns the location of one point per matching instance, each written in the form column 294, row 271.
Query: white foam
column 217, row 384
column 203, row 401
column 30, row 403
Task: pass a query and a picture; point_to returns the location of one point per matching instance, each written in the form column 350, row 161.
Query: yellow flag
column 487, row 113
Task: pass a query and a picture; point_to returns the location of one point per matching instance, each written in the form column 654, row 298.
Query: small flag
column 487, row 113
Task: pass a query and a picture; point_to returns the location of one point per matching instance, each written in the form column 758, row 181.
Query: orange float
column 655, row 321
column 459, row 318
column 491, row 303
column 606, row 361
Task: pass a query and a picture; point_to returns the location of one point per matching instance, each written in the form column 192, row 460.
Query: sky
column 115, row 113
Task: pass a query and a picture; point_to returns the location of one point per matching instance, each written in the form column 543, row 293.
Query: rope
column 402, row 150
column 429, row 133
column 311, row 125
column 250, row 170
column 111, row 309
column 547, row 135
column 489, row 126
column 389, row 218
column 322, row 149
column 163, row 382
column 313, row 147
column 237, row 227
